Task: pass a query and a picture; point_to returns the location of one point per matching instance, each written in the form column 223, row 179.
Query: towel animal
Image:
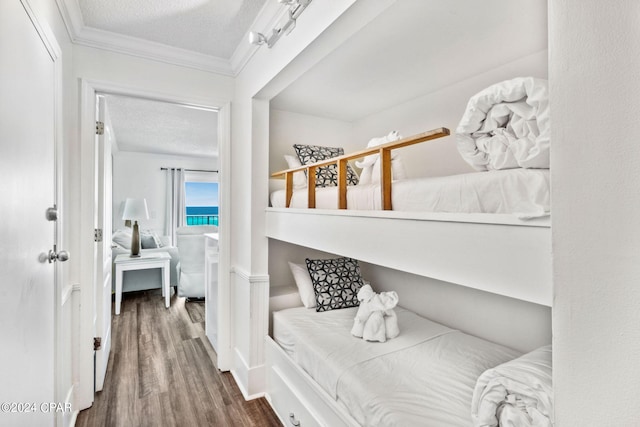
column 370, row 165
column 375, row 319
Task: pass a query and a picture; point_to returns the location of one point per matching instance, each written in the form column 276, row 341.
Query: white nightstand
column 125, row 262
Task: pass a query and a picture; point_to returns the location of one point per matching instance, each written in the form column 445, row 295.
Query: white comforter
column 507, row 126
column 524, row 193
column 423, row 377
column 516, row 393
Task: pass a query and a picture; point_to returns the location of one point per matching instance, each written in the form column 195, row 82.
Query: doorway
column 91, row 170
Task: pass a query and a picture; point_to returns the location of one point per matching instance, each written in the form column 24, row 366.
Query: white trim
column 473, row 218
column 88, row 91
column 244, row 372
column 244, row 275
column 71, row 16
column 67, row 291
column 270, row 14
column 137, row 47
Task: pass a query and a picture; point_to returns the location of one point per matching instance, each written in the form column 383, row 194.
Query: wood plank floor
column 162, row 372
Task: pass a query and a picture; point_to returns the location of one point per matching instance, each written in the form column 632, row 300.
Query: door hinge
column 97, row 234
column 97, row 343
column 99, row 128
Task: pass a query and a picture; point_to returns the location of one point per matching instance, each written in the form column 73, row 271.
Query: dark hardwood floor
column 162, row 372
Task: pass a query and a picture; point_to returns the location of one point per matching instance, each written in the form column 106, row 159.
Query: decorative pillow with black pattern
column 336, row 282
column 326, row 176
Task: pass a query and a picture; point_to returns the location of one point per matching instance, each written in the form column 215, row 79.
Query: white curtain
column 175, row 202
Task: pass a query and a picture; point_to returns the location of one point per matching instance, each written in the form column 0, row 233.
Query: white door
column 103, row 248
column 27, row 189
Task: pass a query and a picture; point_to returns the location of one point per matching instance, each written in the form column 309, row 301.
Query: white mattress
column 522, row 192
column 426, row 376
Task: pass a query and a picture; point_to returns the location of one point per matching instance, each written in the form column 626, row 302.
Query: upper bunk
column 419, row 86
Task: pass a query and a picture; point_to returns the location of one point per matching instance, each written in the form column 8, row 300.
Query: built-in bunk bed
column 489, row 230
column 481, row 236
column 493, row 235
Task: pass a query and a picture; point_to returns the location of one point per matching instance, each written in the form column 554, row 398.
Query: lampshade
column 135, row 209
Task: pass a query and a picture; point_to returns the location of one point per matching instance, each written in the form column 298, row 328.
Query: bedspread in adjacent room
column 521, row 192
column 425, row 376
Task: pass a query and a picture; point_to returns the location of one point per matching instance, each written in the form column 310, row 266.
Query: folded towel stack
column 376, row 320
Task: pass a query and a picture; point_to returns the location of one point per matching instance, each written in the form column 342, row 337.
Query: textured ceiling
column 416, row 47
column 146, row 126
column 211, row 27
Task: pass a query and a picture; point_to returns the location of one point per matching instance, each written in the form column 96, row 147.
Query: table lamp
column 135, row 209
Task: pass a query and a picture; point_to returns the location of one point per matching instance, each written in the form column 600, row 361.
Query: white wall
column 595, row 109
column 288, row 128
column 443, row 108
column 138, row 175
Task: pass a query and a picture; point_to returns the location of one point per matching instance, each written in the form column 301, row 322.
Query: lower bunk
column 429, row 375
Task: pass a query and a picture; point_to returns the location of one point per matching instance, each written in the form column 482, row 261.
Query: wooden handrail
column 341, row 161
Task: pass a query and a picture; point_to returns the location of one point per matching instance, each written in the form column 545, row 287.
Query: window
column 201, row 202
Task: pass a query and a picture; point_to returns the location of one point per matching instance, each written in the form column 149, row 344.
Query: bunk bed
column 502, row 247
column 488, row 230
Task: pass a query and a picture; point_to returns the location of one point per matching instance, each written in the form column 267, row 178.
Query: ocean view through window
column 201, row 203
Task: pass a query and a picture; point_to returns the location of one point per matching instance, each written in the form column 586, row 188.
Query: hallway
column 161, row 372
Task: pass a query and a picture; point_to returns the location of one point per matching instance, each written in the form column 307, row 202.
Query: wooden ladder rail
column 341, row 161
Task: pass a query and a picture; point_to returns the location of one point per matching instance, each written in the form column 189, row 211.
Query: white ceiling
column 146, row 126
column 416, row 47
column 210, row 27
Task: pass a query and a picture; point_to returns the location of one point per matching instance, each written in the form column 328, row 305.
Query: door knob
column 61, row 256
column 52, row 214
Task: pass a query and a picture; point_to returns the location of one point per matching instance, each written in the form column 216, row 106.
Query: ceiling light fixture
column 296, row 7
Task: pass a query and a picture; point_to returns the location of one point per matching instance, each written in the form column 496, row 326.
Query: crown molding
column 134, row 46
column 270, row 14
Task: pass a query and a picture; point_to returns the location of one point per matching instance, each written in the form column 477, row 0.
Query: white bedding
column 507, row 126
column 522, row 192
column 425, row 376
column 518, row 392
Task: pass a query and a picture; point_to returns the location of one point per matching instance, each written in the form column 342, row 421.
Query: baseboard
column 250, row 380
column 74, row 418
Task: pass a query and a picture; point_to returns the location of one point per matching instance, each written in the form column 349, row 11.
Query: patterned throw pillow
column 326, row 176
column 336, row 282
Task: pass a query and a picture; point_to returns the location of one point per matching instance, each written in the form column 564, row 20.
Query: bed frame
column 497, row 253
column 296, row 398
column 341, row 161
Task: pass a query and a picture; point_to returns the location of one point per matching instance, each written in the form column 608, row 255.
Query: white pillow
column 304, row 284
column 122, row 238
column 299, row 178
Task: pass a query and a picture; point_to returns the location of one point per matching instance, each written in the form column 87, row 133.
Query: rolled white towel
column 369, row 160
column 516, row 393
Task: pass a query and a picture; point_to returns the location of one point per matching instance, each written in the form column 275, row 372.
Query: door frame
column 88, row 90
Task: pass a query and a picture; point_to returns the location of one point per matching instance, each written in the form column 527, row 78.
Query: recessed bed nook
column 424, row 166
column 319, row 373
